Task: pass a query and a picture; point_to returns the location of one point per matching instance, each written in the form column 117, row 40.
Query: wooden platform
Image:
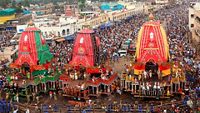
column 161, row 97
column 20, row 82
column 93, row 95
column 104, row 93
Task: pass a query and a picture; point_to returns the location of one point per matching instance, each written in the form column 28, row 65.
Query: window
column 192, row 25
column 63, row 32
column 58, row 33
column 67, row 31
column 192, row 15
column 197, row 19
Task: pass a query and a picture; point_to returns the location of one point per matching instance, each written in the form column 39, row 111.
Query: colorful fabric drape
column 44, row 54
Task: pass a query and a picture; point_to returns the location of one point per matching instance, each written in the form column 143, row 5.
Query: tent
column 102, row 26
column 25, row 12
column 6, row 12
column 69, row 37
column 117, row 7
column 108, row 24
column 39, row 13
column 105, row 7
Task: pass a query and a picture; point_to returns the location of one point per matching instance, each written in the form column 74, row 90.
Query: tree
column 26, row 3
column 81, row 3
column 18, row 9
column 13, row 3
column 4, row 3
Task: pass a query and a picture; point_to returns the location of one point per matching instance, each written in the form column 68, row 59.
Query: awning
column 10, row 28
column 108, row 24
column 102, row 26
column 69, row 37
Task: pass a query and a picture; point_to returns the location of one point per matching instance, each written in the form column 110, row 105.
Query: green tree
column 4, row 3
column 18, row 9
column 13, row 3
column 81, row 3
column 26, row 3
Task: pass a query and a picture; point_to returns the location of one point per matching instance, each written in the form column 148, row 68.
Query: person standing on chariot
column 148, row 89
column 38, row 99
column 150, row 73
column 140, row 76
column 55, row 96
column 28, row 75
column 50, row 94
column 143, row 89
column 158, row 89
column 154, row 89
column 7, row 96
column 33, row 94
column 159, row 74
column 145, row 75
column 16, row 98
column 75, row 75
column 168, row 92
column 28, row 98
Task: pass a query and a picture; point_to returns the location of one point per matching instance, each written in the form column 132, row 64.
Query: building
column 194, row 24
column 64, row 26
column 45, row 9
column 162, row 2
column 51, row 28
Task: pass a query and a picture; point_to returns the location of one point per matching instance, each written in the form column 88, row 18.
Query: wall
column 103, row 18
column 194, row 26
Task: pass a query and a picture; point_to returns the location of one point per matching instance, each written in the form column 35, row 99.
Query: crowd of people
column 5, row 38
column 62, row 53
column 175, row 20
column 113, row 37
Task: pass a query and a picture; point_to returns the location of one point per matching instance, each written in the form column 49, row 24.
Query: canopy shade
column 6, row 12
column 69, row 37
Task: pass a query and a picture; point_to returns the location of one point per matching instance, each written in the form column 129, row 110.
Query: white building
column 53, row 27
column 161, row 1
column 194, row 24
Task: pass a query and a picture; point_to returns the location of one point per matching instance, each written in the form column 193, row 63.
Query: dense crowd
column 181, row 50
column 62, row 53
column 175, row 20
column 5, row 38
column 113, row 37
